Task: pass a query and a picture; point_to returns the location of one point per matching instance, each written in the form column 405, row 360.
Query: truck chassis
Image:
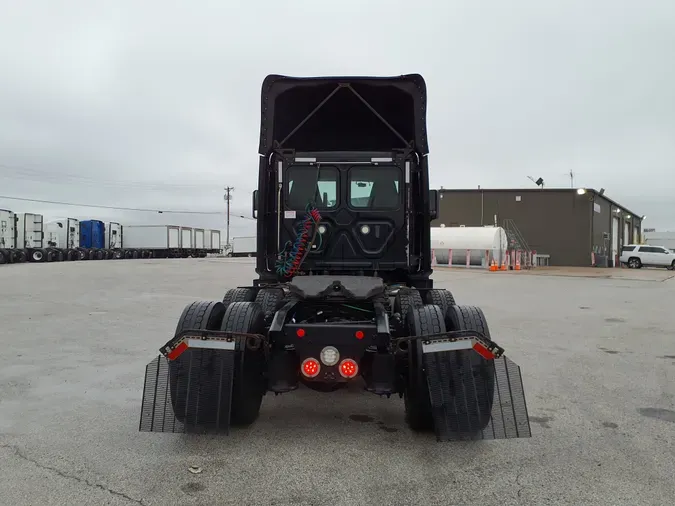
column 324, row 332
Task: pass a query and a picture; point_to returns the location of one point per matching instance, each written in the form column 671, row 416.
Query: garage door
column 626, row 234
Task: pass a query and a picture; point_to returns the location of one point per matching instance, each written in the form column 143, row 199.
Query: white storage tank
column 477, row 239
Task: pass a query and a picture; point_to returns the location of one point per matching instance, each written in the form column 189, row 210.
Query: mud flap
column 191, row 393
column 473, row 398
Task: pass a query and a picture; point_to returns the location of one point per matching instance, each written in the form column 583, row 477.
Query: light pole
column 228, row 197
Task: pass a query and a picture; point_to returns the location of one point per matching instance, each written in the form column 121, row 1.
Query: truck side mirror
column 255, row 203
column 434, row 204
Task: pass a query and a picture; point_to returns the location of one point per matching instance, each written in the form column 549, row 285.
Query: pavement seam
column 17, row 451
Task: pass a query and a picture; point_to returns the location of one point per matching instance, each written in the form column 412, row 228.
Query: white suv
column 639, row 255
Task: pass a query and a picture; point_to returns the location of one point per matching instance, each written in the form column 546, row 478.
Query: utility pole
column 228, row 197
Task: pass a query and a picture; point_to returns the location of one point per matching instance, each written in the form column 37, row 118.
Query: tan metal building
column 573, row 227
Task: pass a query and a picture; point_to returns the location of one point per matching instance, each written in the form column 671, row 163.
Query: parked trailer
column 186, row 244
column 152, row 241
column 7, row 236
column 243, row 247
column 30, row 236
column 208, row 243
column 664, row 239
column 215, row 242
column 198, row 242
column 113, row 239
column 62, row 240
column 92, row 240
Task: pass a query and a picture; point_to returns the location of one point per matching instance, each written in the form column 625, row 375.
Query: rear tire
column 198, row 315
column 54, row 255
column 238, row 295
column 405, row 299
column 269, row 300
column 421, row 321
column 471, row 373
column 20, row 256
column 249, row 385
column 442, row 298
column 3, row 257
column 38, row 255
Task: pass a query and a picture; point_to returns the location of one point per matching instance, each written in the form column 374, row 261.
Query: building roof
column 532, row 190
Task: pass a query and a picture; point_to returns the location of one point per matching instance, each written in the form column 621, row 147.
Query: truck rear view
column 344, row 291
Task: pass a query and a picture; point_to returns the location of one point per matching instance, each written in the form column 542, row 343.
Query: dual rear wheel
column 471, row 378
column 202, row 390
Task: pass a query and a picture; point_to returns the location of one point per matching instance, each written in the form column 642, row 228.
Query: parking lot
column 597, row 356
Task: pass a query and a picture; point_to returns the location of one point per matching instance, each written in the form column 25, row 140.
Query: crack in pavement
column 17, row 451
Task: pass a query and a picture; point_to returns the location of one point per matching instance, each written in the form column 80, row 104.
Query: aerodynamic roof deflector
column 280, row 145
column 315, row 114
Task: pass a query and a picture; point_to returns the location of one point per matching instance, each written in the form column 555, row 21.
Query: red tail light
column 310, row 367
column 359, row 334
column 300, row 332
column 348, row 368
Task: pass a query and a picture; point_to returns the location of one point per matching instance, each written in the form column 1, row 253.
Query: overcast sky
column 156, row 104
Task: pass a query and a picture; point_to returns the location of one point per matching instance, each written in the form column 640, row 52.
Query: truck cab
column 352, row 153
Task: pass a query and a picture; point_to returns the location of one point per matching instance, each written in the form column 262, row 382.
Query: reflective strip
column 483, row 351
column 407, row 172
column 212, row 344
column 382, row 159
column 177, row 351
column 434, row 347
column 300, row 159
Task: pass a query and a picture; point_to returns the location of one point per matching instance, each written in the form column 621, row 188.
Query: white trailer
column 198, row 242
column 215, row 241
column 7, row 229
column 243, row 247
column 7, row 236
column 207, row 241
column 62, row 240
column 30, row 236
column 664, row 239
column 152, row 241
column 113, row 236
column 186, row 238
